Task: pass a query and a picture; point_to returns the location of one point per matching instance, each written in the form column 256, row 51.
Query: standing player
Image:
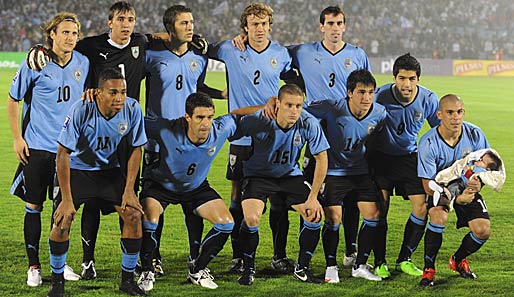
column 188, row 145
column 88, row 168
column 395, row 157
column 442, row 145
column 174, row 69
column 350, row 123
column 47, row 96
column 324, row 67
column 273, row 168
column 253, row 77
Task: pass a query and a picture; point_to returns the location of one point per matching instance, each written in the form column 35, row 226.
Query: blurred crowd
column 440, row 29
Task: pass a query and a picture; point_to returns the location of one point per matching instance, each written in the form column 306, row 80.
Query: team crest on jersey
column 135, row 51
column 122, row 128
column 66, row 123
column 466, row 151
column 418, row 114
column 211, row 151
column 232, row 159
column 297, row 139
column 273, row 62
column 15, row 78
column 348, row 63
column 77, row 75
column 371, row 128
column 193, row 64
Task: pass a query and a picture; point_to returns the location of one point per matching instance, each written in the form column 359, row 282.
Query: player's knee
column 33, row 208
column 438, row 216
column 253, row 220
column 482, row 231
column 333, row 218
column 131, row 216
column 59, row 233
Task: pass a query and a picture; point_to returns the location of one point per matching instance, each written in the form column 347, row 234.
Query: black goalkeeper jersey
column 130, row 59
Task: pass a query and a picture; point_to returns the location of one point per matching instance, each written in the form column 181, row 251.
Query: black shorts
column 398, row 173
column 474, row 210
column 293, row 189
column 237, row 154
column 106, row 187
column 124, row 150
column 35, row 181
column 189, row 201
column 355, row 187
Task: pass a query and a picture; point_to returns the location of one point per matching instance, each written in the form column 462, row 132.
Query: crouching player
column 87, row 168
column 188, row 145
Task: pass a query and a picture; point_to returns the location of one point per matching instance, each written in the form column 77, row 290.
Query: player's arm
column 312, row 206
column 20, row 146
column 212, row 92
column 65, row 212
column 269, row 109
column 129, row 197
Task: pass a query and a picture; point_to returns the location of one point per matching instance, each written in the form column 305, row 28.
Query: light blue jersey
column 48, row 95
column 347, row 135
column 169, row 80
column 275, row 150
column 252, row 77
column 435, row 154
column 94, row 140
column 184, row 165
column 325, row 74
column 403, row 123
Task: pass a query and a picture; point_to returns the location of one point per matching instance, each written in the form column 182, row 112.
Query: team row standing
column 256, row 24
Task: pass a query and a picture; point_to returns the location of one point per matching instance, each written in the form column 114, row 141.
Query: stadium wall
column 378, row 65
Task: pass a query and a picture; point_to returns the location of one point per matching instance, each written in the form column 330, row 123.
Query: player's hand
column 21, row 150
column 161, row 35
column 224, row 93
column 270, row 109
column 130, row 199
column 466, row 197
column 37, row 57
column 64, row 215
column 239, row 41
column 200, row 43
column 313, row 209
column 89, row 95
column 474, row 184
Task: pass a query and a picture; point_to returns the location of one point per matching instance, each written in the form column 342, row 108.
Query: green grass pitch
column 488, row 103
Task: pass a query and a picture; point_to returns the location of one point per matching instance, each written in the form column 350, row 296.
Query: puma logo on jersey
column 104, row 55
column 179, row 150
column 243, row 58
column 317, row 60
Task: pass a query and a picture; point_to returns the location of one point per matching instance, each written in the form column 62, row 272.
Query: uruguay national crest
column 348, row 63
column 135, row 51
column 232, row 159
column 297, row 139
column 77, row 75
column 273, row 62
column 122, row 128
column 193, row 65
column 371, row 128
column 211, row 151
column 417, row 115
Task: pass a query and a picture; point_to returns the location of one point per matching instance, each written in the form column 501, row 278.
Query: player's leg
column 90, row 223
column 380, row 243
column 237, row 154
column 330, row 238
column 433, row 241
column 370, row 220
column 413, row 233
column 279, row 224
column 350, row 220
column 476, row 217
column 217, row 213
column 153, row 210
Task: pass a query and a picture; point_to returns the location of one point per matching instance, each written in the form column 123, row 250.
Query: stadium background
column 451, row 38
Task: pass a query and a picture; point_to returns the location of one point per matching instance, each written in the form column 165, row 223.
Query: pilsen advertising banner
column 483, row 68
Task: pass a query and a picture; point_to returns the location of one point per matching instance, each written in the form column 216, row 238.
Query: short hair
column 496, row 162
column 260, row 10
column 449, row 98
column 168, row 19
column 121, row 7
column 108, row 74
column 331, row 10
column 290, row 89
column 198, row 99
column 406, row 62
column 56, row 20
column 362, row 76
